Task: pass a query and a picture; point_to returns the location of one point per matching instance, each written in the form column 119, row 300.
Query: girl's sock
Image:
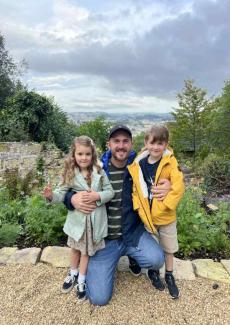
column 81, row 278
column 73, row 272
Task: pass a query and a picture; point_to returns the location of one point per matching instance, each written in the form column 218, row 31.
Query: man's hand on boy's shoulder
column 162, row 189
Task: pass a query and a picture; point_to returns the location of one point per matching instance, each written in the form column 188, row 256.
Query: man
column 126, row 232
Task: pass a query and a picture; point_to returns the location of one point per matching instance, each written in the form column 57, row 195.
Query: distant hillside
column 81, row 117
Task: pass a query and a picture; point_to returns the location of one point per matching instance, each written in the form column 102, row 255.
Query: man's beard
column 124, row 156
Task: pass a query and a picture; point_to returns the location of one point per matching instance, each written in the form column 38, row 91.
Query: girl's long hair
column 70, row 162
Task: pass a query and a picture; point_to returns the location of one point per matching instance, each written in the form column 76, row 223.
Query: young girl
column 82, row 172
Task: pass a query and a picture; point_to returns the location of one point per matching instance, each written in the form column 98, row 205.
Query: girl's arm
column 107, row 192
column 59, row 194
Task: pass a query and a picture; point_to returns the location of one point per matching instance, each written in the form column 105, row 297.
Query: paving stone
column 226, row 264
column 56, row 256
column 25, row 256
column 182, row 270
column 5, row 253
column 123, row 264
column 207, row 268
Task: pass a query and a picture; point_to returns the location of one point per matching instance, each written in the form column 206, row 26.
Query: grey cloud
column 192, row 45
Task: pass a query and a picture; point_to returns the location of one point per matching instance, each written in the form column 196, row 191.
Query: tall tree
column 98, row 130
column 9, row 72
column 188, row 131
column 220, row 134
column 33, row 117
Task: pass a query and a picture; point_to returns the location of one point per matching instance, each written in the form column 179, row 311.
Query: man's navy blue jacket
column 132, row 226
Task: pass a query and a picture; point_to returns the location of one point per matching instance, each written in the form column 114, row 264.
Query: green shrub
column 44, row 222
column 40, row 169
column 12, row 212
column 9, row 233
column 17, row 186
column 216, row 173
column 199, row 231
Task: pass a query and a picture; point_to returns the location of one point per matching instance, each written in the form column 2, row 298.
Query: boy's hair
column 157, row 132
column 71, row 164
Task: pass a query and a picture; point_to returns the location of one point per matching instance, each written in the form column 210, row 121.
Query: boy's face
column 156, row 148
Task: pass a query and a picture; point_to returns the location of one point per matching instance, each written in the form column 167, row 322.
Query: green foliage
column 29, row 116
column 138, row 142
column 97, row 130
column 220, row 121
column 40, row 169
column 7, row 71
column 18, row 187
column 216, row 173
column 32, row 217
column 12, row 211
column 9, row 233
column 200, row 231
column 44, row 222
column 188, row 130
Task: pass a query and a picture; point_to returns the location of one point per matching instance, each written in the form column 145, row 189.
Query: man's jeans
column 102, row 266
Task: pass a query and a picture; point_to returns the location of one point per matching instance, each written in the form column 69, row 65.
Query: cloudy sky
column 119, row 55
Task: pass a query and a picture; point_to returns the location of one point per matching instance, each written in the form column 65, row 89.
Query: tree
column 9, row 72
column 97, row 130
column 220, row 118
column 138, row 141
column 32, row 117
column 188, row 132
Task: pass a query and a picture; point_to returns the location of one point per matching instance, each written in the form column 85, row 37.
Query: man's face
column 120, row 145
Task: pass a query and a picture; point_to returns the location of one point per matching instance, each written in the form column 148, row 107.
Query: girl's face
column 156, row 148
column 83, row 156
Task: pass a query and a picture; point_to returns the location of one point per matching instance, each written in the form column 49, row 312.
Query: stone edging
column 59, row 257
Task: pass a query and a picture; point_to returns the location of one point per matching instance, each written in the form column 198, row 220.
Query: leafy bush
column 216, row 173
column 12, row 212
column 199, row 231
column 44, row 222
column 17, row 186
column 9, row 233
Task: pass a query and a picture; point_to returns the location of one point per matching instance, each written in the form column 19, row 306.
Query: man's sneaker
column 81, row 291
column 134, row 268
column 69, row 282
column 173, row 290
column 154, row 277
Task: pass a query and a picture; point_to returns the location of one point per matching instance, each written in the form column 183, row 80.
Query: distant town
column 137, row 122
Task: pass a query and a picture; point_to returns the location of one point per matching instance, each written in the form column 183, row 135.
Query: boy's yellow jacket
column 160, row 212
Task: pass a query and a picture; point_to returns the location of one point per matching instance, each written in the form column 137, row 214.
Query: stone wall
column 24, row 157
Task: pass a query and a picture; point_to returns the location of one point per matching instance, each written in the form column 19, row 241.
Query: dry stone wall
column 24, row 157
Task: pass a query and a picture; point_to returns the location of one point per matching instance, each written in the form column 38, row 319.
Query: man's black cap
column 120, row 127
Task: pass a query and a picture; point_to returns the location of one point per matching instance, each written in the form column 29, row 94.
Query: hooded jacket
column 76, row 220
column 160, row 212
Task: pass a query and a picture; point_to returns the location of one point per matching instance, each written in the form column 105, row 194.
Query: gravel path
column 30, row 295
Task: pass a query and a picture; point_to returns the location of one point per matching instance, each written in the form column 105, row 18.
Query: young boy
column 154, row 163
